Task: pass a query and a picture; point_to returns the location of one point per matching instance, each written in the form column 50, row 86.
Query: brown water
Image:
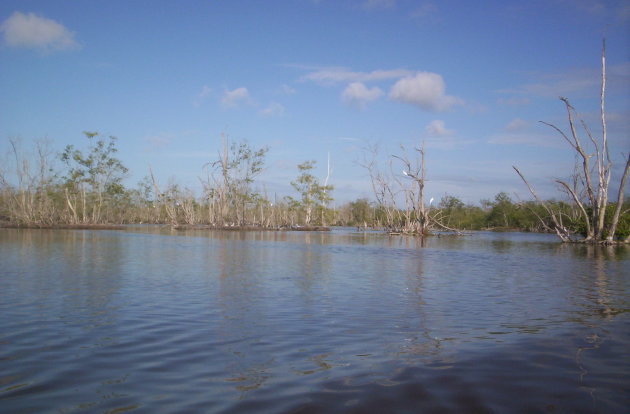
column 153, row 321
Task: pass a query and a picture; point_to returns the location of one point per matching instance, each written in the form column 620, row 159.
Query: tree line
column 89, row 189
column 501, row 213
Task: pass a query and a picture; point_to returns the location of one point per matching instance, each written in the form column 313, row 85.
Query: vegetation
column 314, row 196
column 82, row 187
column 92, row 185
column 499, row 214
column 391, row 189
column 230, row 196
column 88, row 189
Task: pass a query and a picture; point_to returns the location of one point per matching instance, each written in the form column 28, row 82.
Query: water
column 150, row 320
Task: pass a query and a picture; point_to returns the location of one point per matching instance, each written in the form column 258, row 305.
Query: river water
column 151, row 320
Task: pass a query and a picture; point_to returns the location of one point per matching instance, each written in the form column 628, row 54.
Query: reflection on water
column 157, row 320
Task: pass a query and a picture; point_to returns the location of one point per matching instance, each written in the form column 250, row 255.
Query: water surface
column 151, row 320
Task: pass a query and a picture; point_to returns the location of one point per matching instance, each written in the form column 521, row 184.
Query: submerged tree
column 416, row 217
column 589, row 188
column 416, row 213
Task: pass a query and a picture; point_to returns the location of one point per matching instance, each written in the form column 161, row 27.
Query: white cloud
column 337, row 75
column 517, row 124
column 33, row 32
column 233, row 98
column 424, row 89
column 272, row 109
column 437, row 128
column 359, row 95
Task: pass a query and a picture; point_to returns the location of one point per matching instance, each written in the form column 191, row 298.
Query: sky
column 322, row 79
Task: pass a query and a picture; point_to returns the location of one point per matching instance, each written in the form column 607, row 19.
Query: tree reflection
column 420, row 340
column 241, row 294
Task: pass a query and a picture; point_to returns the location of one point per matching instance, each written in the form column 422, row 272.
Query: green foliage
column 313, row 194
column 493, row 214
column 93, row 180
column 623, row 226
column 360, row 212
column 245, row 163
column 502, row 212
column 238, row 167
column 450, row 203
column 99, row 170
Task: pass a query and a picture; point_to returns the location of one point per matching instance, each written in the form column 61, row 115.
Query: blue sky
column 307, row 78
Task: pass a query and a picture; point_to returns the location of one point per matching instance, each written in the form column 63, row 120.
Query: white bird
column 405, row 173
column 430, row 201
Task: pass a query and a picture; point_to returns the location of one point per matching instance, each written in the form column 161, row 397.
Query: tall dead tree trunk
column 592, row 197
column 415, row 194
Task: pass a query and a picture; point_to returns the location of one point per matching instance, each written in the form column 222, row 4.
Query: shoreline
column 180, row 227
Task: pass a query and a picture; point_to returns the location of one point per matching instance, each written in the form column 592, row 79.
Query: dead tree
column 589, row 190
column 389, row 188
column 164, row 200
column 417, row 219
column 382, row 187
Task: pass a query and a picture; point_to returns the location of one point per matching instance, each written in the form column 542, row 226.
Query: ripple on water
column 153, row 323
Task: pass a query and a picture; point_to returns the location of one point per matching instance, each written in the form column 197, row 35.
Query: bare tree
column 26, row 194
column 382, row 187
column 389, row 188
column 589, row 189
column 164, row 200
column 417, row 214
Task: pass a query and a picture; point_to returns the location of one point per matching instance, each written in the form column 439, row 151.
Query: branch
column 615, row 219
column 561, row 231
column 577, row 201
column 456, row 231
column 560, row 131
